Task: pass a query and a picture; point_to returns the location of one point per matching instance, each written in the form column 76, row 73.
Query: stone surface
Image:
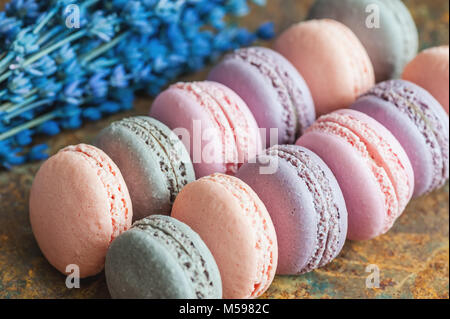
column 413, row 258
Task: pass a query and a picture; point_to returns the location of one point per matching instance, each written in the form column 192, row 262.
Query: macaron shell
column 70, row 213
column 246, row 80
column 362, row 192
column 408, row 135
column 418, row 122
column 214, row 115
column 235, row 225
column 388, row 152
column 246, row 131
column 160, row 257
column 390, row 46
column 164, row 278
column 210, row 267
column 254, row 85
column 213, row 213
column 430, row 70
column 348, row 69
column 147, row 184
column 178, row 110
column 291, row 209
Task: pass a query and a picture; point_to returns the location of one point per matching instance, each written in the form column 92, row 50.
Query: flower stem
column 31, row 106
column 7, row 106
column 103, row 48
column 75, row 36
column 22, row 104
column 4, row 62
column 28, row 125
column 44, row 38
column 44, row 21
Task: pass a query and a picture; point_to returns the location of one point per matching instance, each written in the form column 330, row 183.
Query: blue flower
column 23, row 138
column 98, row 85
column 103, row 27
column 72, row 93
column 119, row 78
column 266, row 31
column 25, row 43
column 20, row 84
column 49, row 128
column 46, row 66
column 9, row 28
column 169, row 11
column 92, row 113
column 70, row 117
column 22, row 9
column 122, row 46
column 245, row 37
column 238, row 7
column 216, row 17
column 125, row 97
column 38, row 152
column 109, row 107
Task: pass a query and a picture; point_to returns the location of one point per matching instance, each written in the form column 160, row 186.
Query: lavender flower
column 53, row 77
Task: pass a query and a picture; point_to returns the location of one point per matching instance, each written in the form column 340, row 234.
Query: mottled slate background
column 413, row 257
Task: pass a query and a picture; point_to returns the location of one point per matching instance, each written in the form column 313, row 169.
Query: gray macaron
column 161, row 258
column 153, row 161
column 385, row 28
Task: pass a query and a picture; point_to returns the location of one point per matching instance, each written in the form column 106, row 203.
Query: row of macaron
column 352, row 178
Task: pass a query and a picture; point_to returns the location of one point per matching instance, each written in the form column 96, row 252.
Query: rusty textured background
column 413, row 257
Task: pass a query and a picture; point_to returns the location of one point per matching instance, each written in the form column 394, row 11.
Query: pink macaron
column 331, row 59
column 213, row 122
column 430, row 70
column 79, row 203
column 370, row 165
column 236, row 227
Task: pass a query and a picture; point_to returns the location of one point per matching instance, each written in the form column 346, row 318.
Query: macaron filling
column 328, row 227
column 381, row 151
column 264, row 244
column 214, row 109
column 288, row 93
column 183, row 250
column 108, row 175
column 407, row 101
column 380, row 175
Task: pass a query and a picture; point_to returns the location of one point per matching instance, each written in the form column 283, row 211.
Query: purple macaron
column 273, row 89
column 305, row 203
column 418, row 122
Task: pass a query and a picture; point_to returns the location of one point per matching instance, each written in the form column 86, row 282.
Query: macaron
column 273, row 89
column 385, row 28
column 161, row 258
column 235, row 225
column 331, row 59
column 79, row 203
column 430, row 70
column 370, row 165
column 153, row 161
column 418, row 122
column 213, row 122
column 305, row 203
